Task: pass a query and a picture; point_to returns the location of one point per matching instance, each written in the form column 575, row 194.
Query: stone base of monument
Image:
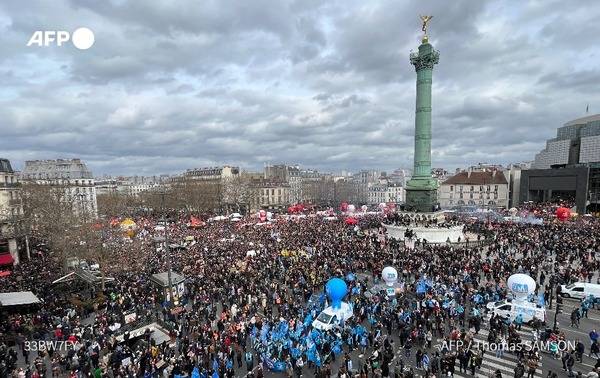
column 433, row 234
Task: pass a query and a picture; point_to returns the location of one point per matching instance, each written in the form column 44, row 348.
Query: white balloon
column 521, row 285
column 389, row 275
column 351, row 208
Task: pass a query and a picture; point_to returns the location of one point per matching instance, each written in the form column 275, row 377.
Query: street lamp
column 168, row 251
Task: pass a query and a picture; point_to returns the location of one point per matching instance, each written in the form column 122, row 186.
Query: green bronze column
column 421, row 189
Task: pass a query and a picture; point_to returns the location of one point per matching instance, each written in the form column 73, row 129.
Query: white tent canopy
column 18, row 298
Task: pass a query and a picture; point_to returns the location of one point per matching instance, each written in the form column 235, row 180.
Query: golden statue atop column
column 425, row 20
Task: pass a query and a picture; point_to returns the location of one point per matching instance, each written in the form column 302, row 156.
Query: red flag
column 195, row 222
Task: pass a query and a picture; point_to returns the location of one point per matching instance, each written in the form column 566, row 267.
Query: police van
column 332, row 317
column 510, row 310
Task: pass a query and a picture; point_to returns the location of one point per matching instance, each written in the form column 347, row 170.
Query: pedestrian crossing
column 490, row 362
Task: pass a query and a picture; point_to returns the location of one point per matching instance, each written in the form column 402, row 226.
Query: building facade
column 72, row 176
column 290, row 174
column 568, row 168
column 576, row 142
column 13, row 243
column 269, row 194
column 213, row 173
column 386, row 192
column 487, row 189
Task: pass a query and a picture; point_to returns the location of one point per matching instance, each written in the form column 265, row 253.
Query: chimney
column 494, row 173
column 469, row 172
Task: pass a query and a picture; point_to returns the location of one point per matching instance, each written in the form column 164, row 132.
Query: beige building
column 75, row 179
column 269, row 194
column 13, row 244
column 481, row 189
column 213, row 173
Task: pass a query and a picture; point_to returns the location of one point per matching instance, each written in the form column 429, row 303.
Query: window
column 495, row 188
column 471, row 195
column 472, row 188
column 481, row 188
column 461, row 188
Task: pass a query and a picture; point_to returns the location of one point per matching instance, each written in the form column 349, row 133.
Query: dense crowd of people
column 244, row 281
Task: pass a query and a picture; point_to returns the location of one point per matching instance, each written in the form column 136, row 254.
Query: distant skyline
column 323, row 84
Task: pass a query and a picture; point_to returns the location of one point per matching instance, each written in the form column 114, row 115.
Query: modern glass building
column 569, row 167
column 577, row 142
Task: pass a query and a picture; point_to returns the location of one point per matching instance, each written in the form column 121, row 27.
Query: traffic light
column 559, row 305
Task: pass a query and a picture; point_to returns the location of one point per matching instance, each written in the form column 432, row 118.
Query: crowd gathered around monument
column 251, row 313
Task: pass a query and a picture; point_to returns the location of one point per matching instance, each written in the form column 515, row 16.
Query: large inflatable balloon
column 299, row 208
column 336, row 289
column 291, row 209
column 364, row 208
column 563, row 214
column 389, row 275
column 521, row 286
column 351, row 208
column 344, row 206
column 128, row 227
column 262, row 215
column 513, row 211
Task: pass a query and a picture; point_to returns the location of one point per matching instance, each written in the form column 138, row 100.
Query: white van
column 580, row 290
column 507, row 309
column 331, row 318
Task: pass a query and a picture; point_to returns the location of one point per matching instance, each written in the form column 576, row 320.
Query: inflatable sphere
column 563, row 214
column 521, row 285
column 351, row 208
column 344, row 206
column 336, row 289
column 513, row 211
column 299, row 208
column 128, row 227
column 389, row 275
column 364, row 208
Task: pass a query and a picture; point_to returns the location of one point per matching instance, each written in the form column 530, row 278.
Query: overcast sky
column 171, row 85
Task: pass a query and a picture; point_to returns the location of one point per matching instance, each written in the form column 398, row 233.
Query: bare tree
column 50, row 210
column 237, row 193
column 113, row 204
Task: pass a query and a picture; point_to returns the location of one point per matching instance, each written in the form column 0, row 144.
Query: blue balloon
column 336, row 289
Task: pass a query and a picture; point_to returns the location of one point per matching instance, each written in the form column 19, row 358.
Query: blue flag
column 541, row 300
column 337, row 349
column 215, row 364
column 321, row 298
column 196, row 373
column 216, row 374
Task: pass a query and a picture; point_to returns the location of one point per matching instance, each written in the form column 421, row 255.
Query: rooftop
column 477, row 178
column 5, row 166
